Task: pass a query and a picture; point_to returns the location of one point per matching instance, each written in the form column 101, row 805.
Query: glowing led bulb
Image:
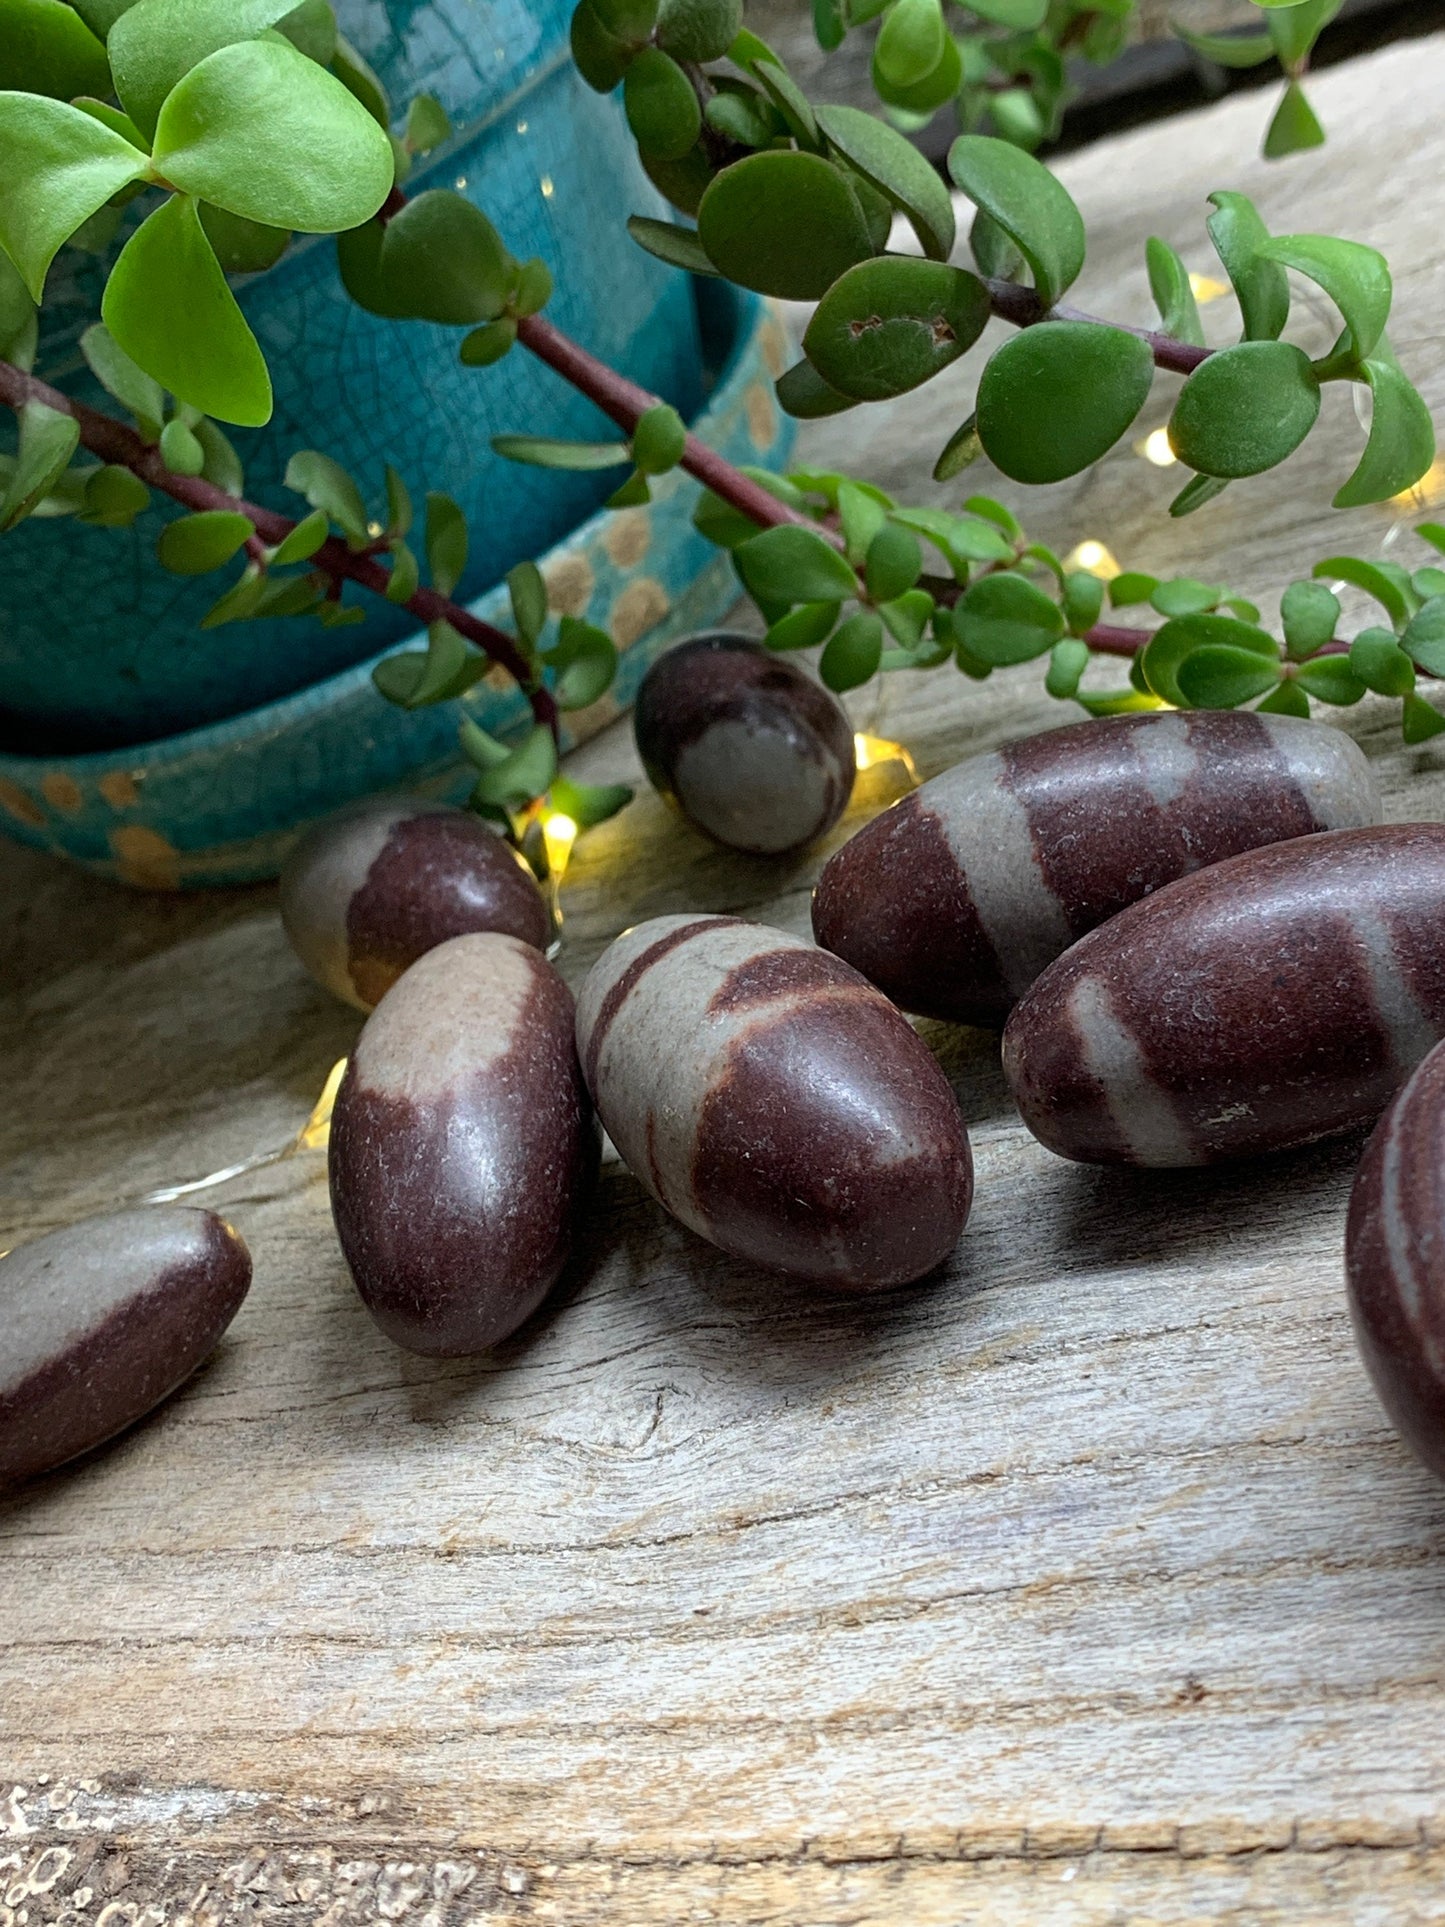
column 869, row 751
column 1155, row 448
column 559, row 833
column 1094, row 557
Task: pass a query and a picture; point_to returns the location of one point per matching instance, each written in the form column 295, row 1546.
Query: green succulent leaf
column 101, row 15
column 862, row 514
column 1331, row 679
column 1131, row 586
column 1173, row 295
column 521, row 775
column 1286, row 699
column 830, row 28
column 485, row 346
column 962, row 448
column 19, row 327
column 240, row 601
column 1183, row 595
column 326, row 485
column 180, row 450
column 1068, row 660
column 1033, row 208
column 114, row 119
column 1423, row 640
column 114, row 497
column 1245, row 409
column 546, row 451
column 996, row 252
column 890, row 324
column 803, row 394
column 46, row 48
column 782, row 223
column 196, row 544
column 742, row 113
column 1420, row 720
column 698, row 29
column 895, row 167
column 1003, row 619
column 168, row 307
column 1374, row 578
column 853, row 652
column 444, row 260
column 906, row 618
column 1057, row 396
column 777, row 83
column 1195, row 493
column 262, row 131
column 1227, row 49
column 1355, row 277
column 911, row 42
column 128, row 384
column 304, row 540
column 404, row 578
column 659, row 439
column 311, row 29
column 804, row 627
column 1260, row 284
column 588, row 804
column 427, row 124
column 155, row 43
column 584, row 659
column 961, row 539
column 1381, row 664
column 242, row 246
column 893, row 563
column 528, row 595
column 1182, row 636
column 360, row 82
column 1309, row 612
column 58, row 165
column 662, row 108
column 447, row 670
column 47, row 440
column 1021, row 16
column 922, row 98
column 1402, row 436
column 1295, row 125
column 678, row 246
column 1083, row 601
column 599, row 55
column 1221, row 676
column 792, row 564
column 446, row 542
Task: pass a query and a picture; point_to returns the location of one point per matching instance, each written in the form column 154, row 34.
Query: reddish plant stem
column 121, row 446
column 1113, row 639
column 1020, row 306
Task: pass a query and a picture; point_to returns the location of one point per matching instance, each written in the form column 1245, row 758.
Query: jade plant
column 232, row 124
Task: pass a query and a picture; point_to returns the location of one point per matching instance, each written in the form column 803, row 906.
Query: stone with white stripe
column 101, row 1321
column 775, row 1102
column 1271, row 999
column 463, row 1146
column 955, row 900
column 1395, row 1260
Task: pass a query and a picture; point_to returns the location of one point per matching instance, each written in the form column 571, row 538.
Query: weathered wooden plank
column 1088, row 1584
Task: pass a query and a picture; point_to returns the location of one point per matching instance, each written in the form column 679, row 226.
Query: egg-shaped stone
column 745, row 743
column 955, row 899
column 1272, row 999
column 463, row 1146
column 775, row 1102
column 101, row 1321
column 1395, row 1261
column 369, row 890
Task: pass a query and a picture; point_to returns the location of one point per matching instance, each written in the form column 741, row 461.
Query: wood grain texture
column 1089, row 1585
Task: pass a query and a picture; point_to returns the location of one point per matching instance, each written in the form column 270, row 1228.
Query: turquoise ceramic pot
column 222, row 804
column 100, row 646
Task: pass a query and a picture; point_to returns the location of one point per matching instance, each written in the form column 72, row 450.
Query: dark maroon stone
column 1395, row 1261
column 1272, row 999
column 370, row 890
column 463, row 1147
column 101, row 1321
column 953, row 901
column 744, row 743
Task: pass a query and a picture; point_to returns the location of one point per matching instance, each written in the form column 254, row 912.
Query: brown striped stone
column 101, row 1321
column 775, row 1102
column 744, row 743
column 463, row 1146
column 1395, row 1261
column 954, row 900
column 1274, row 998
column 371, row 889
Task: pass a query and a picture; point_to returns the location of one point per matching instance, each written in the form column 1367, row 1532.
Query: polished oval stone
column 1395, row 1261
column 1271, row 999
column 955, row 899
column 745, row 743
column 371, row 889
column 775, row 1102
column 101, row 1321
column 463, row 1146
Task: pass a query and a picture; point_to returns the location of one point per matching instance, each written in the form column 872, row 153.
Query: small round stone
column 371, row 889
column 463, row 1146
column 101, row 1321
column 744, row 743
column 1395, row 1261
column 775, row 1102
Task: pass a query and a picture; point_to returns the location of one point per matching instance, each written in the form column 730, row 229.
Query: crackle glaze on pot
column 463, row 1146
column 775, row 1102
column 102, row 1320
column 1272, row 999
column 223, row 804
column 98, row 645
column 955, row 899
